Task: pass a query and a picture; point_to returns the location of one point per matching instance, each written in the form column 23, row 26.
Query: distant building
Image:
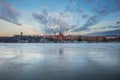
column 94, row 38
column 60, row 36
column 112, row 37
column 73, row 38
column 21, row 34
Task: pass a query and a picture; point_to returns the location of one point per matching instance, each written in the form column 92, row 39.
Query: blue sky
column 49, row 16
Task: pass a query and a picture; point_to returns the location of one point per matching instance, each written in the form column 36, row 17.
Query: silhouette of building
column 21, row 34
column 60, row 36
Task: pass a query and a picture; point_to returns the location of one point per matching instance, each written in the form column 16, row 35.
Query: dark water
column 70, row 61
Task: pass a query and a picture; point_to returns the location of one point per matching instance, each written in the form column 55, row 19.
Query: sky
column 67, row 16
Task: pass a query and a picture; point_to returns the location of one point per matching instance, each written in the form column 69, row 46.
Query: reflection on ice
column 59, row 61
column 61, row 51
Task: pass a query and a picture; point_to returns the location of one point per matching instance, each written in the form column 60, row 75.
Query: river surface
column 59, row 61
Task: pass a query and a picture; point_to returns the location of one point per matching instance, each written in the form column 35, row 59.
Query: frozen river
column 60, row 61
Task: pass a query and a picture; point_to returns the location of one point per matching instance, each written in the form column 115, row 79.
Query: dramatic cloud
column 8, row 13
column 91, row 21
column 54, row 22
column 98, row 14
column 65, row 15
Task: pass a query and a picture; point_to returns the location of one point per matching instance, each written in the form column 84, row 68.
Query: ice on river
column 60, row 61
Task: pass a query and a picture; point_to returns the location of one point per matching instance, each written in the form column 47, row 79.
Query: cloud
column 10, row 29
column 85, row 15
column 102, row 11
column 91, row 21
column 73, row 16
column 54, row 21
column 70, row 5
column 67, row 8
column 97, row 15
column 118, row 22
column 8, row 13
column 80, row 10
